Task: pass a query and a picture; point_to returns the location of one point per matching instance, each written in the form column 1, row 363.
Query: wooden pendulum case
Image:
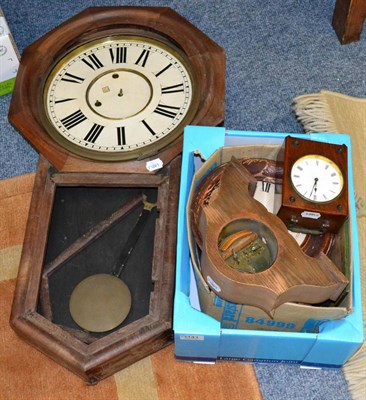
column 35, row 316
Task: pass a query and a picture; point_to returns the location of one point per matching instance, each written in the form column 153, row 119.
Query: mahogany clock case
column 204, row 58
column 330, row 215
column 76, row 227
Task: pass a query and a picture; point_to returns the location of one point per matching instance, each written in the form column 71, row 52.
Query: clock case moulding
column 205, row 58
column 31, row 317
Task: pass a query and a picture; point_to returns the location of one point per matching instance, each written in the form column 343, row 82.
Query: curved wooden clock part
column 136, row 49
column 290, row 275
column 267, row 172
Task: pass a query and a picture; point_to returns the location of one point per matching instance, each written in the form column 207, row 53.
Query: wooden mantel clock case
column 104, row 97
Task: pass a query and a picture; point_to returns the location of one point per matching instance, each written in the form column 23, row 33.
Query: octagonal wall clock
column 104, row 98
column 112, row 89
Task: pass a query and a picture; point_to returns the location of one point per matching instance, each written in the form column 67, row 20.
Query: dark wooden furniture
column 348, row 19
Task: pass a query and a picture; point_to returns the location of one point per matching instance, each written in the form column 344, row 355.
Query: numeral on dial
column 167, row 111
column 266, row 186
column 143, row 58
column 149, row 128
column 64, row 100
column 72, row 78
column 94, row 133
column 118, row 55
column 121, row 136
column 93, row 62
column 172, row 89
column 73, row 119
column 163, row 70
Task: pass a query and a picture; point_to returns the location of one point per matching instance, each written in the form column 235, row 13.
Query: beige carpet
column 26, row 374
column 337, row 113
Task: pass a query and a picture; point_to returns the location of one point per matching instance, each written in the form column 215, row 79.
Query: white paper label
column 213, row 284
column 311, row 214
column 191, row 337
column 153, row 165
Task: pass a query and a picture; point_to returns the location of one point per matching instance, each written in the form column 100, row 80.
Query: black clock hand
column 314, row 188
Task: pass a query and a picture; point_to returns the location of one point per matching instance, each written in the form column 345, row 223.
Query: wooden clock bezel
column 205, row 57
column 89, row 358
column 331, row 215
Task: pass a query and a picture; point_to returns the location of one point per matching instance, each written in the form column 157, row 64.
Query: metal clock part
column 101, row 302
column 246, row 252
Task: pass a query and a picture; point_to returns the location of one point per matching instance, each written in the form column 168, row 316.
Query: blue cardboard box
column 328, row 341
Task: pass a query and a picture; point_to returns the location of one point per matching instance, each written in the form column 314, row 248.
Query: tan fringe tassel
column 315, row 115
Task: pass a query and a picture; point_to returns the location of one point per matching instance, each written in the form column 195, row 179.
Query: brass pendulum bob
column 101, row 302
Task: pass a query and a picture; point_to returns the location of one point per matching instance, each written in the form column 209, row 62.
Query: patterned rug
column 26, row 374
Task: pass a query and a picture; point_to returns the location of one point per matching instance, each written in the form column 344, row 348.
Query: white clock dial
column 119, row 97
column 317, row 178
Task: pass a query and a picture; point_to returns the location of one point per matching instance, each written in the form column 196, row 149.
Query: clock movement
column 104, row 97
column 315, row 186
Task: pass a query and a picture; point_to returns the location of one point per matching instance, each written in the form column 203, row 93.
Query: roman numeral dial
column 119, row 96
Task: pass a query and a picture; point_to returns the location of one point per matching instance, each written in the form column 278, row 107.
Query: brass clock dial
column 119, row 97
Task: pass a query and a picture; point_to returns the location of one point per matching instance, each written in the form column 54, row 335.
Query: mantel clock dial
column 115, row 87
column 315, row 191
column 317, row 178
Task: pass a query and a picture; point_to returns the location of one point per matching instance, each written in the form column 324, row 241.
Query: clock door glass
column 316, row 178
column 119, row 98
